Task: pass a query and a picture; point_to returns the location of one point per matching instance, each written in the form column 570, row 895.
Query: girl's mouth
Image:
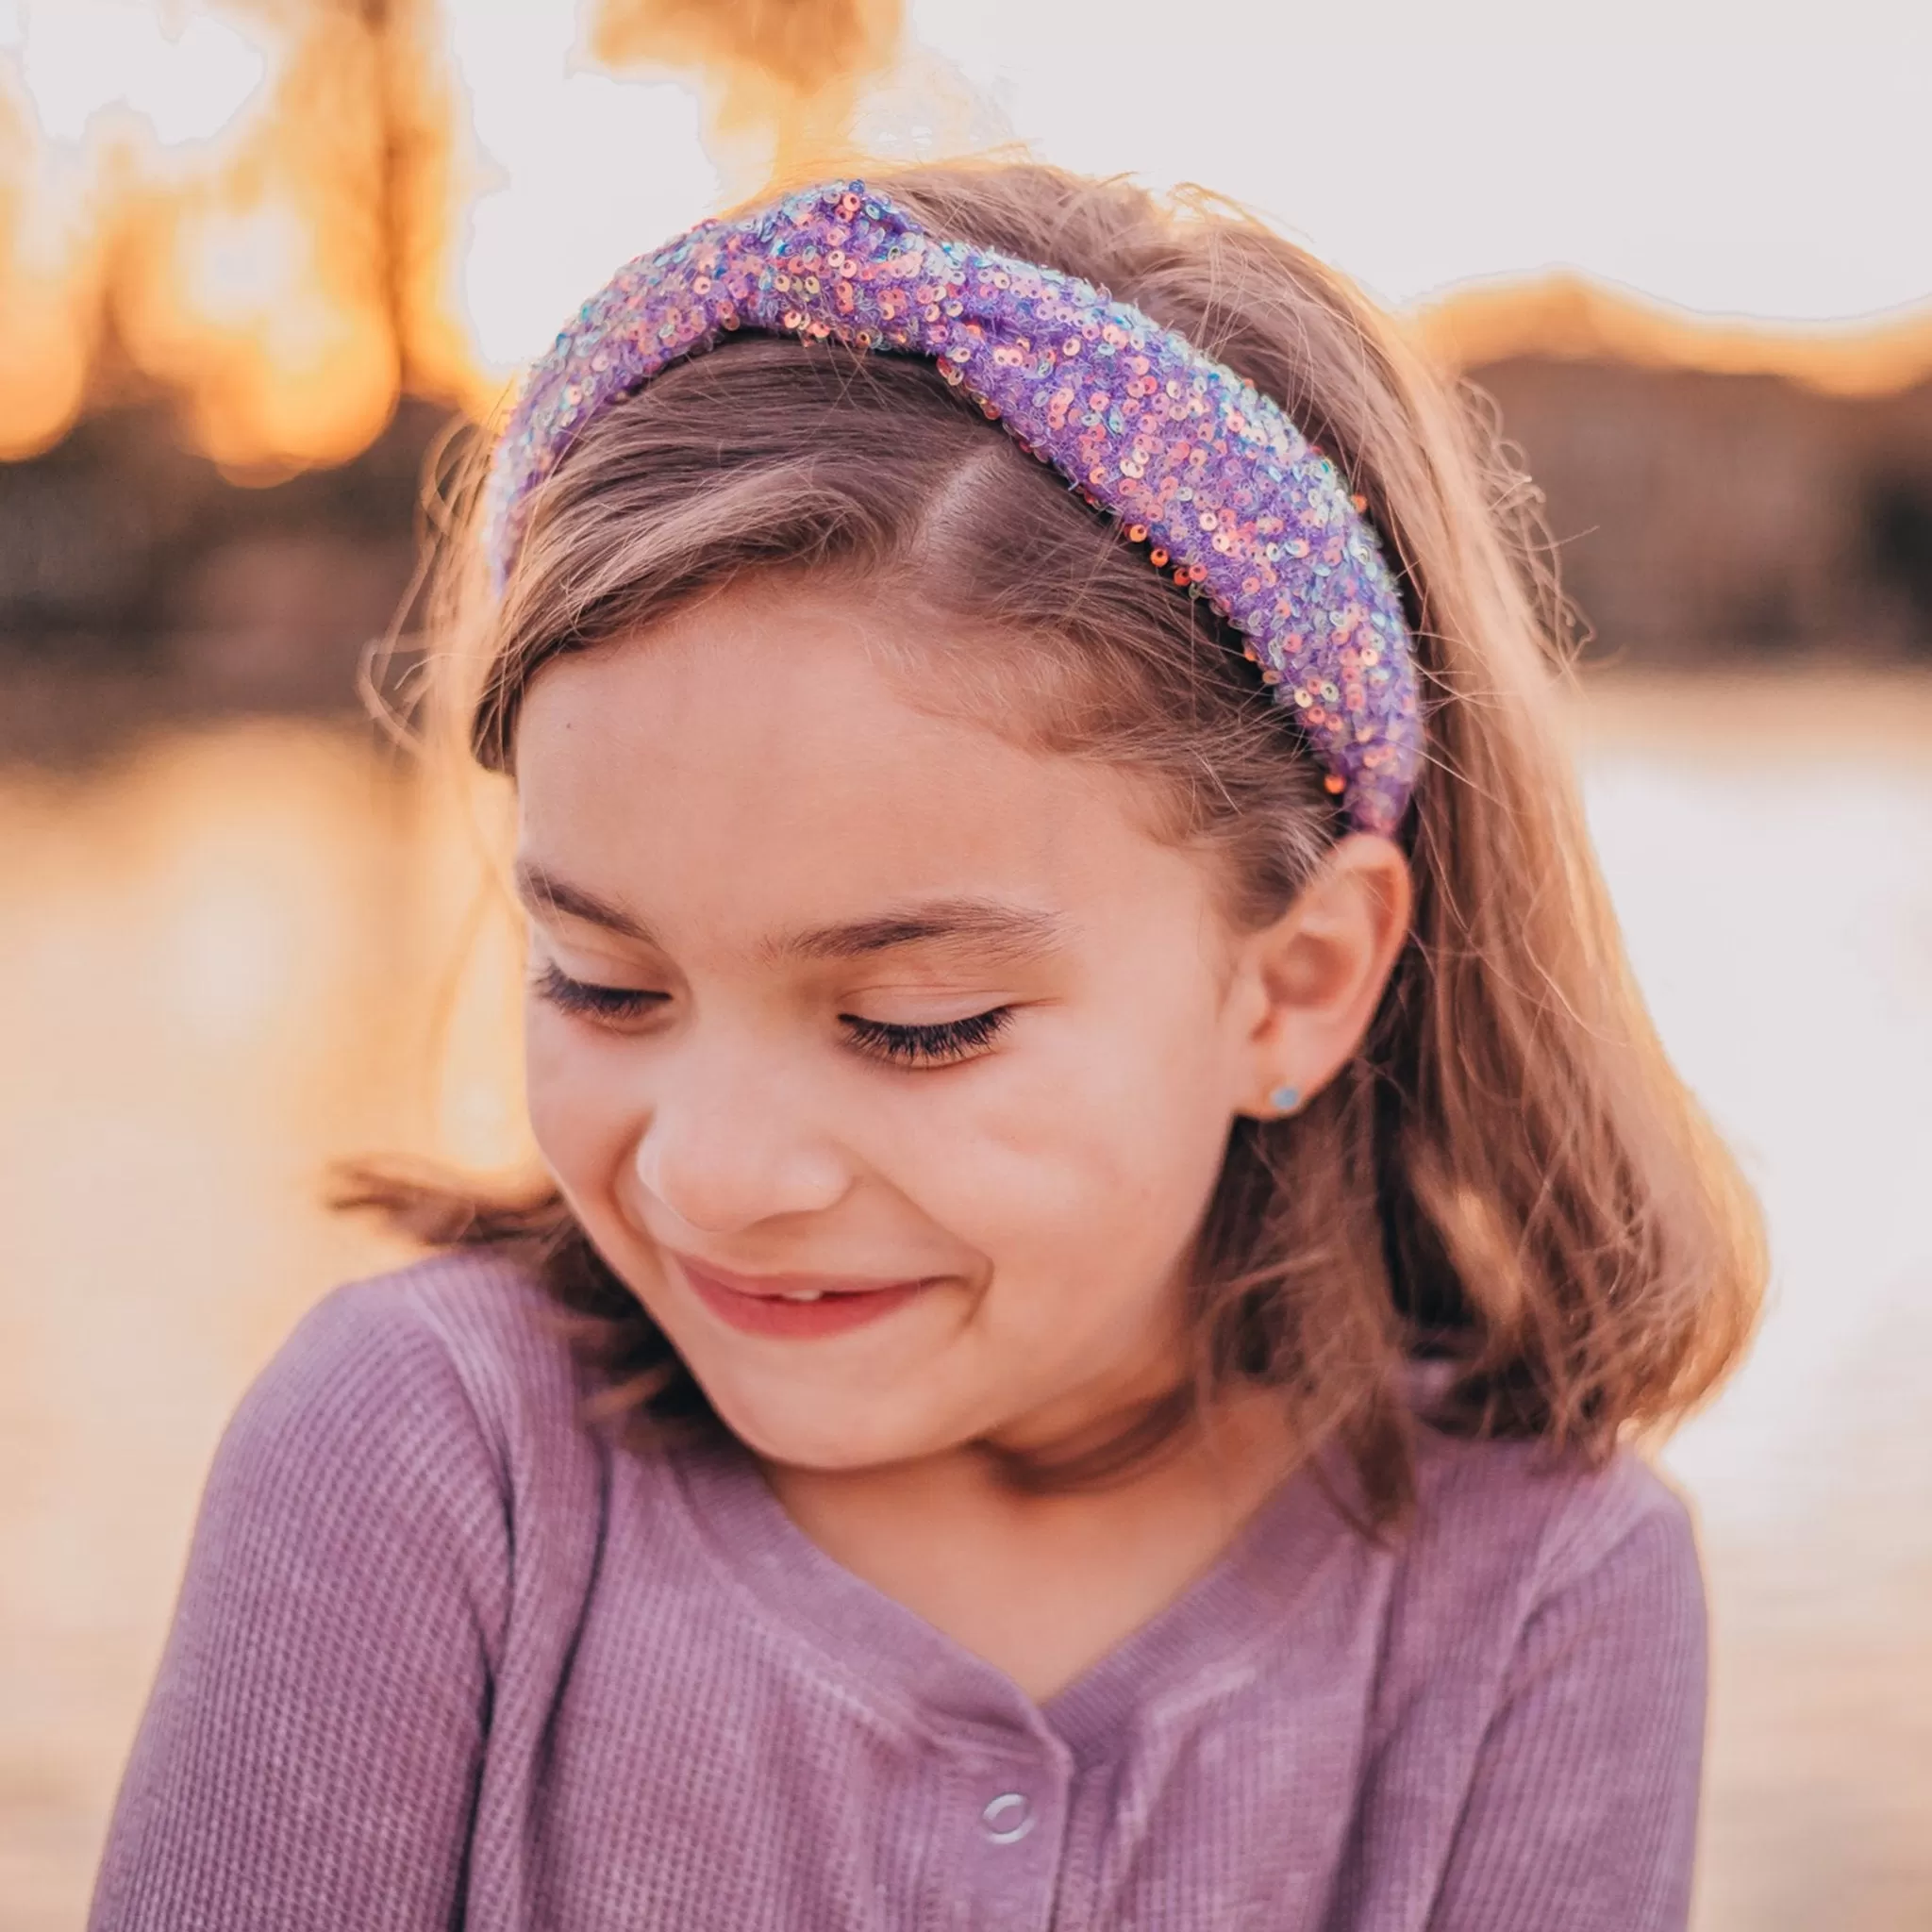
column 795, row 1306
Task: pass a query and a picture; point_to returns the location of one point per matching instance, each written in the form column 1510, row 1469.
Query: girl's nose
column 721, row 1162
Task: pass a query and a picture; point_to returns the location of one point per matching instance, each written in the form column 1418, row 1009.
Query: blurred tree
column 785, row 75
column 406, row 184
column 282, row 274
column 354, row 154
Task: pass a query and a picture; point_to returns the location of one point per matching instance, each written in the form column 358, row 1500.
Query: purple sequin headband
column 1192, row 460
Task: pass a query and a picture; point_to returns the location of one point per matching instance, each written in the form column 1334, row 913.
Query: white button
column 1007, row 1818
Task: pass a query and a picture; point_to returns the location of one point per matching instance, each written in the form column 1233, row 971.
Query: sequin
column 1235, row 503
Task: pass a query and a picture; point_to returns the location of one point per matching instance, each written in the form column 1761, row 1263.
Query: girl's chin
column 837, row 1427
column 819, row 1446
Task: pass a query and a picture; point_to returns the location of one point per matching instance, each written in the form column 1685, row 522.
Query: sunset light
column 286, row 215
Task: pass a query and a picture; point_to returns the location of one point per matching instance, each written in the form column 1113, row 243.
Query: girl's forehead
column 758, row 716
column 764, row 756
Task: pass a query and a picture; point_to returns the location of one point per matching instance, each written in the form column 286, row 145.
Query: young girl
column 1111, row 1203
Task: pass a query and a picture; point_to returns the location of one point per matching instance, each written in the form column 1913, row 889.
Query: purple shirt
column 447, row 1658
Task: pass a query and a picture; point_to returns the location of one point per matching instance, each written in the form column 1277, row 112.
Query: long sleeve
column 1582, row 1815
column 310, row 1753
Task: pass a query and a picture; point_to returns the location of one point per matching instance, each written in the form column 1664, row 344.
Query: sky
column 1735, row 157
column 1746, row 162
column 1763, row 162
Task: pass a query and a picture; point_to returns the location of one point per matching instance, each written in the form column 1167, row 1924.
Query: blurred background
column 258, row 257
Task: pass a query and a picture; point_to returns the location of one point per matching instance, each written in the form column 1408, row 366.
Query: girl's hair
column 1508, row 1177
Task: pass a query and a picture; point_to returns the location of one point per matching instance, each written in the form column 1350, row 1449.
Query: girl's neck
column 1042, row 1584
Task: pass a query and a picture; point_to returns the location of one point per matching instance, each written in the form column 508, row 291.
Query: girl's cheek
column 583, row 1110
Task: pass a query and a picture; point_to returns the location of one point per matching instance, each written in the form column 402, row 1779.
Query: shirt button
column 1007, row 1818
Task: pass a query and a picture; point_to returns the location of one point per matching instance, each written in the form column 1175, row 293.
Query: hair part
column 1508, row 1176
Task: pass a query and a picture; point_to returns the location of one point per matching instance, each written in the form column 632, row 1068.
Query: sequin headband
column 1229, row 497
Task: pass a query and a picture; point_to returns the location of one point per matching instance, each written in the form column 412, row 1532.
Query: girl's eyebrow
column 1011, row 932
column 541, row 891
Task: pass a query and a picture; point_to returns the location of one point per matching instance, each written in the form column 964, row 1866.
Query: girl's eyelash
column 594, row 1002
column 940, row 1045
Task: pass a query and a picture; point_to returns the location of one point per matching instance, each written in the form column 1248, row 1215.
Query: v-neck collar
column 1187, row 1649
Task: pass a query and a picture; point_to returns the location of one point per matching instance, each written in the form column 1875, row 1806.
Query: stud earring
column 1286, row 1100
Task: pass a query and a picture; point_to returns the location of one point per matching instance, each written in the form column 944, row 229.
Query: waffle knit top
column 444, row 1656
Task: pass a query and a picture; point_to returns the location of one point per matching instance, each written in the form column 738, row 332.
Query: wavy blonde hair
column 1508, row 1177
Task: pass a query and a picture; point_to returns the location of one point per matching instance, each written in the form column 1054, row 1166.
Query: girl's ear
column 1314, row 976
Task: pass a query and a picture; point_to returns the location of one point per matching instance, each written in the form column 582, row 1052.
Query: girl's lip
column 772, row 1304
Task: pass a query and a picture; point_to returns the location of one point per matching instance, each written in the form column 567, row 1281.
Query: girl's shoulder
column 468, row 1334
column 1523, row 1495
column 396, row 1540
column 1510, row 1532
column 461, row 1345
column 436, row 1405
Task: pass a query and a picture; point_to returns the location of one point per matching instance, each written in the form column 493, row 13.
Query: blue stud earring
column 1286, row 1099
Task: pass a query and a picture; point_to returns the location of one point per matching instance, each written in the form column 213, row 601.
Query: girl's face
column 891, row 1065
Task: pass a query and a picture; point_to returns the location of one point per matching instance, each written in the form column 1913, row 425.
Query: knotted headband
column 1190, row 458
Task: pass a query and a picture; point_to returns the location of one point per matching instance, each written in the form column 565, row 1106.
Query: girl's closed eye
column 934, row 1043
column 899, row 1043
column 586, row 999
